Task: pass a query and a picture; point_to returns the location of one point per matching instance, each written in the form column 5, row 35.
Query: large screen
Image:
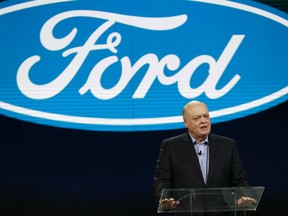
column 89, row 91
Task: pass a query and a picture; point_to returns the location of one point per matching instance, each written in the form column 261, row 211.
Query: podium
column 192, row 201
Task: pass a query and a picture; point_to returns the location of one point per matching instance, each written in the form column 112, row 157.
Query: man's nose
column 202, row 119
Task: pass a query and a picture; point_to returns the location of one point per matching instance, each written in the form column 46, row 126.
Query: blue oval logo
column 132, row 65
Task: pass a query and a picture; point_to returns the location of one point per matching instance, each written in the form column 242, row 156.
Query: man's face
column 197, row 120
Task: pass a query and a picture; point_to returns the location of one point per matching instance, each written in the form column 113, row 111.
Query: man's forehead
column 200, row 113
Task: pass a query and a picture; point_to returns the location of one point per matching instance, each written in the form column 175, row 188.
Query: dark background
column 47, row 171
column 53, row 171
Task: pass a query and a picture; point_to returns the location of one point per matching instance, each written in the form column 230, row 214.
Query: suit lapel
column 189, row 150
column 214, row 151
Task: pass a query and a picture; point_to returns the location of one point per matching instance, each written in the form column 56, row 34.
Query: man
column 198, row 159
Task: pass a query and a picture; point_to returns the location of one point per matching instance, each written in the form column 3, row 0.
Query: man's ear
column 185, row 123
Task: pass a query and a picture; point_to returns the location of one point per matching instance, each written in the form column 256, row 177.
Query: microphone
column 200, row 152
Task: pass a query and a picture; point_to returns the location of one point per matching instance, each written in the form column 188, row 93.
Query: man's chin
column 205, row 133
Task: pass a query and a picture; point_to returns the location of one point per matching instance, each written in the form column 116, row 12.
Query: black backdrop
column 55, row 171
column 52, row 171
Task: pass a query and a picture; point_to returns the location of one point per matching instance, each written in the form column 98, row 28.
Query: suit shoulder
column 175, row 139
column 216, row 137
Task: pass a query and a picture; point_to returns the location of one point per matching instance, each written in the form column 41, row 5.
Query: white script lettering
column 156, row 66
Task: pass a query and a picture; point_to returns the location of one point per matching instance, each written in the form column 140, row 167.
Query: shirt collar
column 196, row 142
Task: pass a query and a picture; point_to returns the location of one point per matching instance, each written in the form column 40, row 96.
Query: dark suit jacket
column 178, row 166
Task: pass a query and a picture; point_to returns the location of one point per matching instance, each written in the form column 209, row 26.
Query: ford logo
column 132, row 65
